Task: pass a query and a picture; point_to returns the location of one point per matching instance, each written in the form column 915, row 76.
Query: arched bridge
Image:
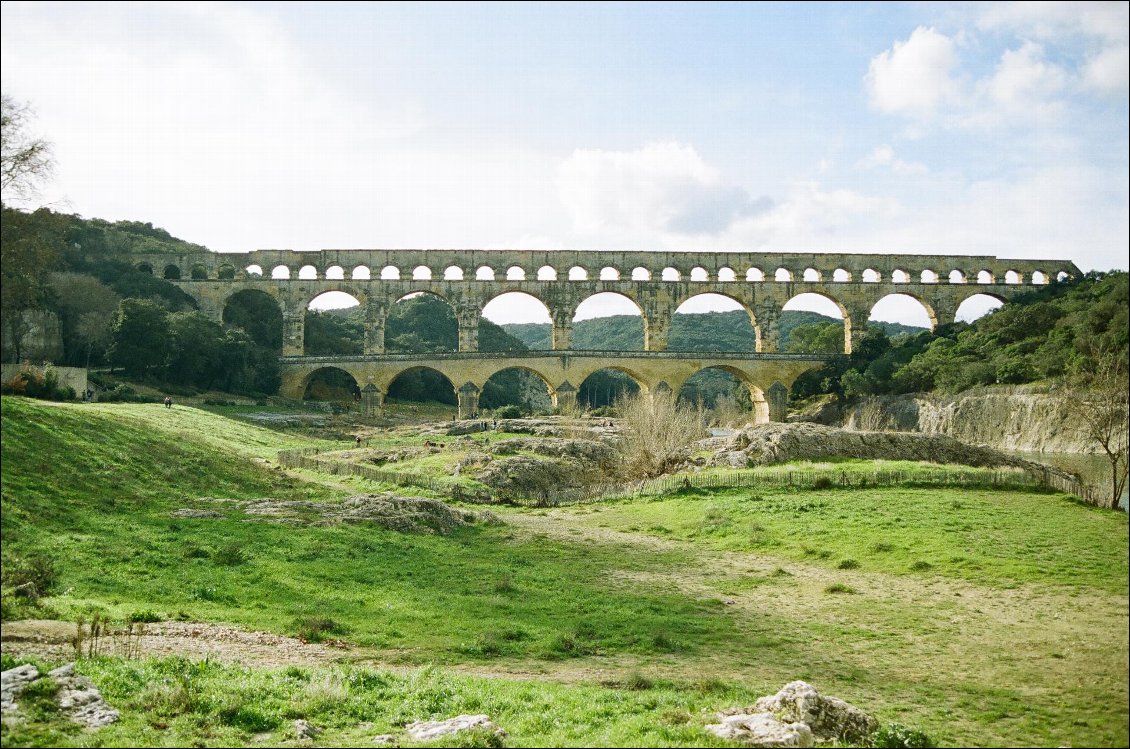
column 656, row 282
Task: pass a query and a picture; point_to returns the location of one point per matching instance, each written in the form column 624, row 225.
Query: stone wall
column 72, row 377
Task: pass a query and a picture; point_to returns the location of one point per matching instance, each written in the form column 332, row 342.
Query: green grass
column 984, row 618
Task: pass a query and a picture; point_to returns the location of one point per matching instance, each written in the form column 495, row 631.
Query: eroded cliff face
column 1028, row 419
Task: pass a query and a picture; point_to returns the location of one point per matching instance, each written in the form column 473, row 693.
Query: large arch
column 331, row 384
column 517, row 386
column 603, row 387
column 726, row 396
column 707, row 322
column 522, row 315
column 422, row 384
column 420, row 322
column 905, row 309
column 333, row 325
column 619, row 331
column 976, row 306
column 258, row 314
column 813, row 333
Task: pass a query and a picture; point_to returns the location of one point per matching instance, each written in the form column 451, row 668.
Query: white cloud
column 657, row 188
column 913, row 77
column 1106, row 71
column 1024, row 85
column 884, row 156
column 1106, row 21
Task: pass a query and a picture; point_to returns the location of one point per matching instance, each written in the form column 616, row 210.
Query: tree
column 25, row 162
column 1103, row 399
column 28, row 248
column 140, row 342
column 87, row 308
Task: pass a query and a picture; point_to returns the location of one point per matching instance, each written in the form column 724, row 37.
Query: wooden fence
column 818, row 478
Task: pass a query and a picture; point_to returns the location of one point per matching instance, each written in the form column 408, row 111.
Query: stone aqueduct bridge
column 657, row 282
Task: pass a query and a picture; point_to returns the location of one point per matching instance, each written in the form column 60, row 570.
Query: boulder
column 12, row 682
column 77, row 696
column 305, row 730
column 430, row 730
column 762, row 729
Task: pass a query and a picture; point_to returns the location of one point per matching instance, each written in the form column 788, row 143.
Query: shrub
column 823, row 483
column 230, row 555
column 637, row 682
column 315, row 628
column 145, row 616
column 921, row 566
column 839, row 588
column 509, row 412
column 848, row 564
column 897, row 736
column 32, row 575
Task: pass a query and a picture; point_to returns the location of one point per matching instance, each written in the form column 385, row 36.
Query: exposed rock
column 762, row 729
column 12, row 682
column 188, row 512
column 589, row 451
column 385, row 739
column 828, row 717
column 468, row 427
column 429, row 730
column 527, row 475
column 304, row 730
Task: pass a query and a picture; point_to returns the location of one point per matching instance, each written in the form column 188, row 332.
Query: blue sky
column 958, row 128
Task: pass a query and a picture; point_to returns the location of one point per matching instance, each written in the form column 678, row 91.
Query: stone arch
column 497, row 391
column 898, row 275
column 841, row 275
column 691, row 324
column 577, row 273
column 308, row 273
column 928, row 276
column 406, row 326
column 226, row 272
column 703, row 387
column 199, row 272
column 515, row 273
column 280, row 272
column 328, row 330
column 670, row 274
column 172, row 272
column 603, row 386
column 421, row 273
column 1012, row 277
column 956, row 276
column 258, row 313
column 640, row 273
column 519, row 304
column 547, row 273
column 254, row 270
column 335, row 273
column 484, row 273
column 421, row 384
column 1040, row 278
column 755, row 274
column 608, row 273
column 699, row 274
column 390, row 273
column 826, row 305
column 726, row 274
column 362, row 273
column 613, row 304
column 453, row 273
column 976, row 305
column 783, row 275
column 144, row 268
column 331, row 383
column 870, row 275
column 1062, row 276
column 811, row 275
column 901, row 305
column 985, row 276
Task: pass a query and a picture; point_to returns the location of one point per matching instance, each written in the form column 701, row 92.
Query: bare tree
column 656, row 433
column 1103, row 398
column 25, row 161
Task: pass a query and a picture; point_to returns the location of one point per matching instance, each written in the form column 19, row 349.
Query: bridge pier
column 294, row 332
column 562, row 330
column 564, row 398
column 372, row 400
column 374, row 326
column 468, row 397
column 778, row 399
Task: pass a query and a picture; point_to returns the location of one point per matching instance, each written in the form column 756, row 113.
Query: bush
column 509, row 412
column 145, row 616
column 848, row 564
column 32, row 575
column 897, row 736
column 230, row 556
column 839, row 588
column 315, row 628
column 35, row 384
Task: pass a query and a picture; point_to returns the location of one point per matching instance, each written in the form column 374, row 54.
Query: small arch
column 390, row 273
column 641, row 274
column 453, row 273
column 254, row 270
column 331, row 384
column 422, row 273
column 335, row 273
column 928, row 276
column 670, row 274
column 199, row 272
column 870, row 275
column 280, row 272
column 1039, row 278
column 783, row 275
column 422, row 384
column 362, row 273
column 609, row 274
column 898, row 275
column 307, row 273
column 841, row 275
column 826, row 331
column 812, row 275
column 484, row 273
column 1062, row 276
column 145, row 268
column 226, row 272
column 577, row 273
column 604, row 387
column 957, row 276
column 726, row 274
column 172, row 272
column 699, row 273
column 985, row 277
column 1011, row 277
column 514, row 273
column 903, row 309
column 755, row 274
column 547, row 273
column 977, row 306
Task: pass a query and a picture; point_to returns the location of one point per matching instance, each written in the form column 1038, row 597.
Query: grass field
column 984, row 618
